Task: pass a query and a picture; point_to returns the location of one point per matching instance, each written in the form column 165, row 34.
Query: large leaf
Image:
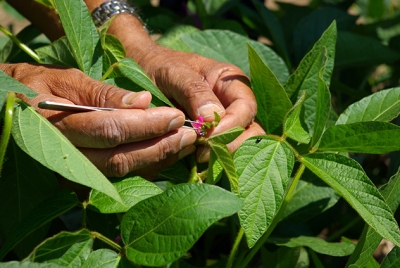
column 55, row 247
column 135, row 73
column 27, row 264
column 160, row 229
column 317, row 244
column 24, row 184
column 225, row 160
column 7, row 84
column 227, row 136
column 348, row 178
column 226, row 46
column 172, row 38
column 75, row 255
column 370, row 239
column 114, row 51
column 104, row 258
column 392, row 260
column 310, row 198
column 37, row 137
column 49, row 209
column 57, row 53
column 381, row 106
column 264, row 168
column 361, row 137
column 132, row 190
column 82, row 36
column 272, row 101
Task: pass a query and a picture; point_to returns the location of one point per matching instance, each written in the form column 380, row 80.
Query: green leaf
column 227, row 136
column 7, row 83
column 37, row 137
column 294, row 126
column 362, row 137
column 286, row 257
column 226, row 46
column 132, row 190
column 214, row 171
column 348, row 178
column 322, row 100
column 57, row 53
column 102, row 258
column 225, row 159
column 49, row 209
column 82, row 36
column 215, row 7
column 160, row 229
column 307, row 73
column 55, row 247
column 264, row 168
column 48, row 3
column 357, row 50
column 24, row 184
column 172, row 38
column 382, row 106
column 75, row 255
column 310, row 198
column 135, row 73
column 392, row 260
column 317, row 244
column 370, row 239
column 272, row 101
column 114, row 51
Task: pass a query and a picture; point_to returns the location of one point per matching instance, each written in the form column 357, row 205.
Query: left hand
column 201, row 86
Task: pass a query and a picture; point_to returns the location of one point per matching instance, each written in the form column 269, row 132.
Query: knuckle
column 119, row 165
column 111, row 134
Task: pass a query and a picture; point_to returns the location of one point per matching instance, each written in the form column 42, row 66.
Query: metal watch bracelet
column 107, row 10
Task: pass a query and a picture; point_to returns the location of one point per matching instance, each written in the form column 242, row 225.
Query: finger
column 123, row 159
column 254, row 129
column 191, row 91
column 107, row 129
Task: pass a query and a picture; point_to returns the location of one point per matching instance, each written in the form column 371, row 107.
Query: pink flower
column 198, row 125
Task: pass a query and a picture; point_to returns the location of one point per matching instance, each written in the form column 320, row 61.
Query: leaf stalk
column 107, row 241
column 5, row 137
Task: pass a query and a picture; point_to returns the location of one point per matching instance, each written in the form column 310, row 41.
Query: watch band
column 107, row 10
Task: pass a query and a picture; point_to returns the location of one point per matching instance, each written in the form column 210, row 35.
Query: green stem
column 107, row 241
column 21, row 45
column 109, row 71
column 276, row 219
column 235, row 248
column 194, row 177
column 5, row 137
column 84, row 216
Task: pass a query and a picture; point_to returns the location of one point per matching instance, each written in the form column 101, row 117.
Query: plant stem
column 84, row 216
column 107, row 241
column 277, row 218
column 5, row 137
column 194, row 177
column 235, row 248
column 109, row 71
column 21, row 45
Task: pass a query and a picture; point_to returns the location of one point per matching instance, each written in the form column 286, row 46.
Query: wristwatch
column 107, row 10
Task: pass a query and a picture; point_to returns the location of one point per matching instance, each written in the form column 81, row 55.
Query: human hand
column 202, row 86
column 131, row 139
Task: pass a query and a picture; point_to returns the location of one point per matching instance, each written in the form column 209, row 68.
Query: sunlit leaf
column 75, row 255
column 132, row 190
column 362, row 137
column 264, row 168
column 160, row 229
column 348, row 178
column 272, row 101
column 37, row 137
column 135, row 73
column 227, row 136
column 382, row 106
column 7, row 83
column 57, row 53
column 82, row 36
column 225, row 160
column 294, row 126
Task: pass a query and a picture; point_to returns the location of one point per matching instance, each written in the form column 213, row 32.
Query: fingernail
column 188, row 138
column 204, row 156
column 130, row 98
column 186, row 151
column 207, row 111
column 176, row 123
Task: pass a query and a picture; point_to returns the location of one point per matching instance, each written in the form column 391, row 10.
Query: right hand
column 134, row 139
